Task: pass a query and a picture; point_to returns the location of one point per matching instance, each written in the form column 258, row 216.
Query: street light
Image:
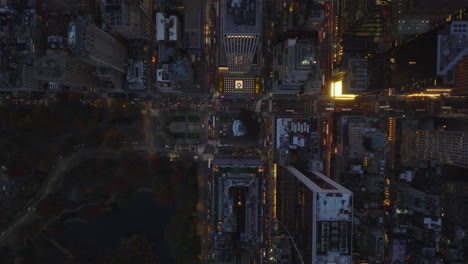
column 290, row 237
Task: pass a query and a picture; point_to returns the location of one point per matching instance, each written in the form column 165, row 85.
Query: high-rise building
column 355, row 133
column 299, row 71
column 89, row 43
column 22, row 80
column 461, row 78
column 239, row 48
column 140, row 66
column 26, row 81
column 355, row 80
column 410, row 18
column 364, row 138
column 61, row 5
column 346, row 18
column 374, row 238
column 407, row 68
column 63, row 69
column 193, row 24
column 350, row 77
column 445, row 147
column 317, row 212
column 132, row 19
column 237, row 187
column 452, row 47
column 241, row 27
column 456, row 202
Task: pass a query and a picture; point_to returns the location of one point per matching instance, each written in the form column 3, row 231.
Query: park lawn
column 193, row 119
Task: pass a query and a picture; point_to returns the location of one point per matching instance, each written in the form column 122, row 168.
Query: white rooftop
column 317, row 182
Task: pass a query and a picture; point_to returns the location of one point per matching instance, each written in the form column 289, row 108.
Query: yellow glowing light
column 439, row 90
column 391, row 129
column 332, row 90
column 274, row 189
column 240, row 36
column 336, row 92
column 346, row 95
column 338, row 88
column 239, row 203
column 344, row 98
column 422, row 95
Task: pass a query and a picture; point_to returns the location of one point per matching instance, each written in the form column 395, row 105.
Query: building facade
column 298, row 69
column 241, row 27
column 317, row 212
column 129, row 18
column 61, row 5
column 445, row 147
column 236, row 207
column 63, row 69
column 410, row 18
column 96, row 47
column 461, row 78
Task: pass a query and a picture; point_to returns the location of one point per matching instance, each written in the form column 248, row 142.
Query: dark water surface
column 142, row 215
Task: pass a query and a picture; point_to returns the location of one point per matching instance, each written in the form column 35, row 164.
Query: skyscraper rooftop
column 241, row 27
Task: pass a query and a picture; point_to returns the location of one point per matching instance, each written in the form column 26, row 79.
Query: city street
column 268, row 42
column 204, row 222
column 367, row 99
column 212, row 40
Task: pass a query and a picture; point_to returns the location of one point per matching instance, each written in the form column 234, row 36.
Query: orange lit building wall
column 461, row 78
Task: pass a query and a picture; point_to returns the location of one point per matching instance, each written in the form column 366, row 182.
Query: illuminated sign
column 239, row 84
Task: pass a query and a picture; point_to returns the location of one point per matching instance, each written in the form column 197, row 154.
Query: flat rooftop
column 237, row 162
column 241, row 16
column 316, row 181
column 193, row 23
